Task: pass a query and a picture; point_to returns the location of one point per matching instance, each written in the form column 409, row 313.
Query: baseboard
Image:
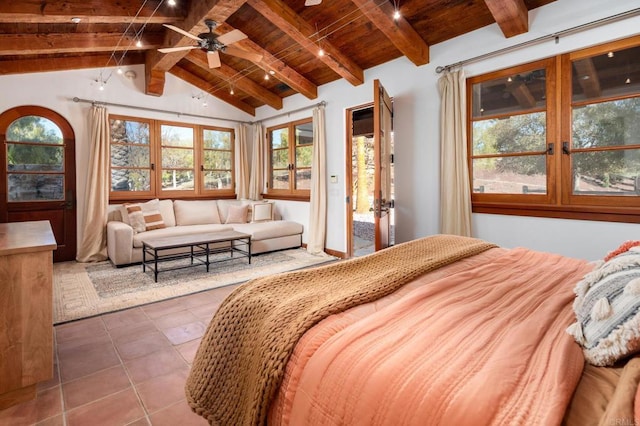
column 335, row 253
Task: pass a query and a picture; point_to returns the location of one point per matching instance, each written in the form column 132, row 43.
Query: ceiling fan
column 213, row 44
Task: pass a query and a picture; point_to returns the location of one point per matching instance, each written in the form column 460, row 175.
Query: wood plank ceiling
column 41, row 35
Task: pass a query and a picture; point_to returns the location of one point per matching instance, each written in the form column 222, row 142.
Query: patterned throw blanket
column 241, row 360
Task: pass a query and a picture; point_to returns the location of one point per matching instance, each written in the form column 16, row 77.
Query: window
column 150, row 158
column 290, row 162
column 35, row 160
column 559, row 137
column 131, row 157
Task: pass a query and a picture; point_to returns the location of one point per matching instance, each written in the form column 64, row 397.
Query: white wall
column 416, row 103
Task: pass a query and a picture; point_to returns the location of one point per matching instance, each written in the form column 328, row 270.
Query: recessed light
column 76, row 20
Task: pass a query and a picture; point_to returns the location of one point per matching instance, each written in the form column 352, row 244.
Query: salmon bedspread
column 484, row 345
column 241, row 359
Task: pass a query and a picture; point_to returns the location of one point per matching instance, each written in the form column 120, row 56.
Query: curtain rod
column 179, row 114
column 556, row 36
column 322, row 103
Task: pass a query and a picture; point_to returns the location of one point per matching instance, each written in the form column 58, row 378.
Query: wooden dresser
column 26, row 311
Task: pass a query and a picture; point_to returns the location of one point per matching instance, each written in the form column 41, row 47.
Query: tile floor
column 123, row 368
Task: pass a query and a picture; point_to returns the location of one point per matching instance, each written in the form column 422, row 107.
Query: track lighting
column 171, row 2
column 321, row 52
column 266, row 76
column 138, row 43
column 396, row 15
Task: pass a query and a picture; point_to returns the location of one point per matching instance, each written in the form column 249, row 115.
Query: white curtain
column 455, row 195
column 93, row 246
column 242, row 166
column 318, row 204
column 256, row 182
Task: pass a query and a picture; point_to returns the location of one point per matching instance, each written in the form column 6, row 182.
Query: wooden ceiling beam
column 157, row 63
column 185, row 75
column 70, row 62
column 285, row 18
column 521, row 92
column 89, row 11
column 34, row 44
column 239, row 81
column 403, row 36
column 284, row 73
column 512, row 16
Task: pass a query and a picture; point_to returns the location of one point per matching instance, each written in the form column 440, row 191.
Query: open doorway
column 360, row 173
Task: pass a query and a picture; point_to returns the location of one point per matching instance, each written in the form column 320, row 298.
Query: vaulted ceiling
column 283, row 39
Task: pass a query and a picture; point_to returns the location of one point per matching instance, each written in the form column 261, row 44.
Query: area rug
column 82, row 290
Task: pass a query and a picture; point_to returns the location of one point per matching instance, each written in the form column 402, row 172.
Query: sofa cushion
column 223, row 208
column 166, row 210
column 149, row 205
column 272, row 229
column 237, row 214
column 196, row 212
column 179, row 230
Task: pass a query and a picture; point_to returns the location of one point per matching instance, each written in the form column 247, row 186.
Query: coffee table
column 202, row 246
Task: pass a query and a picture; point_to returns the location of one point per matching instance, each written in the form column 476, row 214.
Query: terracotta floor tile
column 166, row 307
column 79, row 329
column 117, row 409
column 162, row 391
column 221, row 293
column 140, row 422
column 154, row 365
column 52, row 421
column 198, row 299
column 127, row 333
column 185, row 333
column 145, row 345
column 84, row 343
column 188, row 350
column 177, row 414
column 47, row 404
column 174, row 319
column 205, row 312
column 127, row 317
column 95, row 386
column 76, row 364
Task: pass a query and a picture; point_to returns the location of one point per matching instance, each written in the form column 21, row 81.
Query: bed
column 442, row 330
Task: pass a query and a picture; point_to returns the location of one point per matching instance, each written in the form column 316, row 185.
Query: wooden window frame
column 217, row 192
column 560, row 203
column 155, row 156
column 291, row 193
column 135, row 195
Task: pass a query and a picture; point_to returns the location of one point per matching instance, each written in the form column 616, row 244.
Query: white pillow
column 196, row 212
column 261, row 212
column 237, row 214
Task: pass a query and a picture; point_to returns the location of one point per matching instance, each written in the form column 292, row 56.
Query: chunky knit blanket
column 241, row 360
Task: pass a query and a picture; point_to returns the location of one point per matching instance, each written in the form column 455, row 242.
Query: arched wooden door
column 38, row 179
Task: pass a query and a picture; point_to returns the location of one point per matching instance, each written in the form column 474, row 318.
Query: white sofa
column 182, row 217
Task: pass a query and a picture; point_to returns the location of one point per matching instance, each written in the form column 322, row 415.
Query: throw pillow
column 153, row 220
column 607, row 308
column 144, row 216
column 135, row 216
column 261, row 212
column 237, row 214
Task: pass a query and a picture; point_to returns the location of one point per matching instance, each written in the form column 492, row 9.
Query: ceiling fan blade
column 183, row 32
column 176, row 49
column 232, row 37
column 214, row 59
column 312, row 2
column 236, row 51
